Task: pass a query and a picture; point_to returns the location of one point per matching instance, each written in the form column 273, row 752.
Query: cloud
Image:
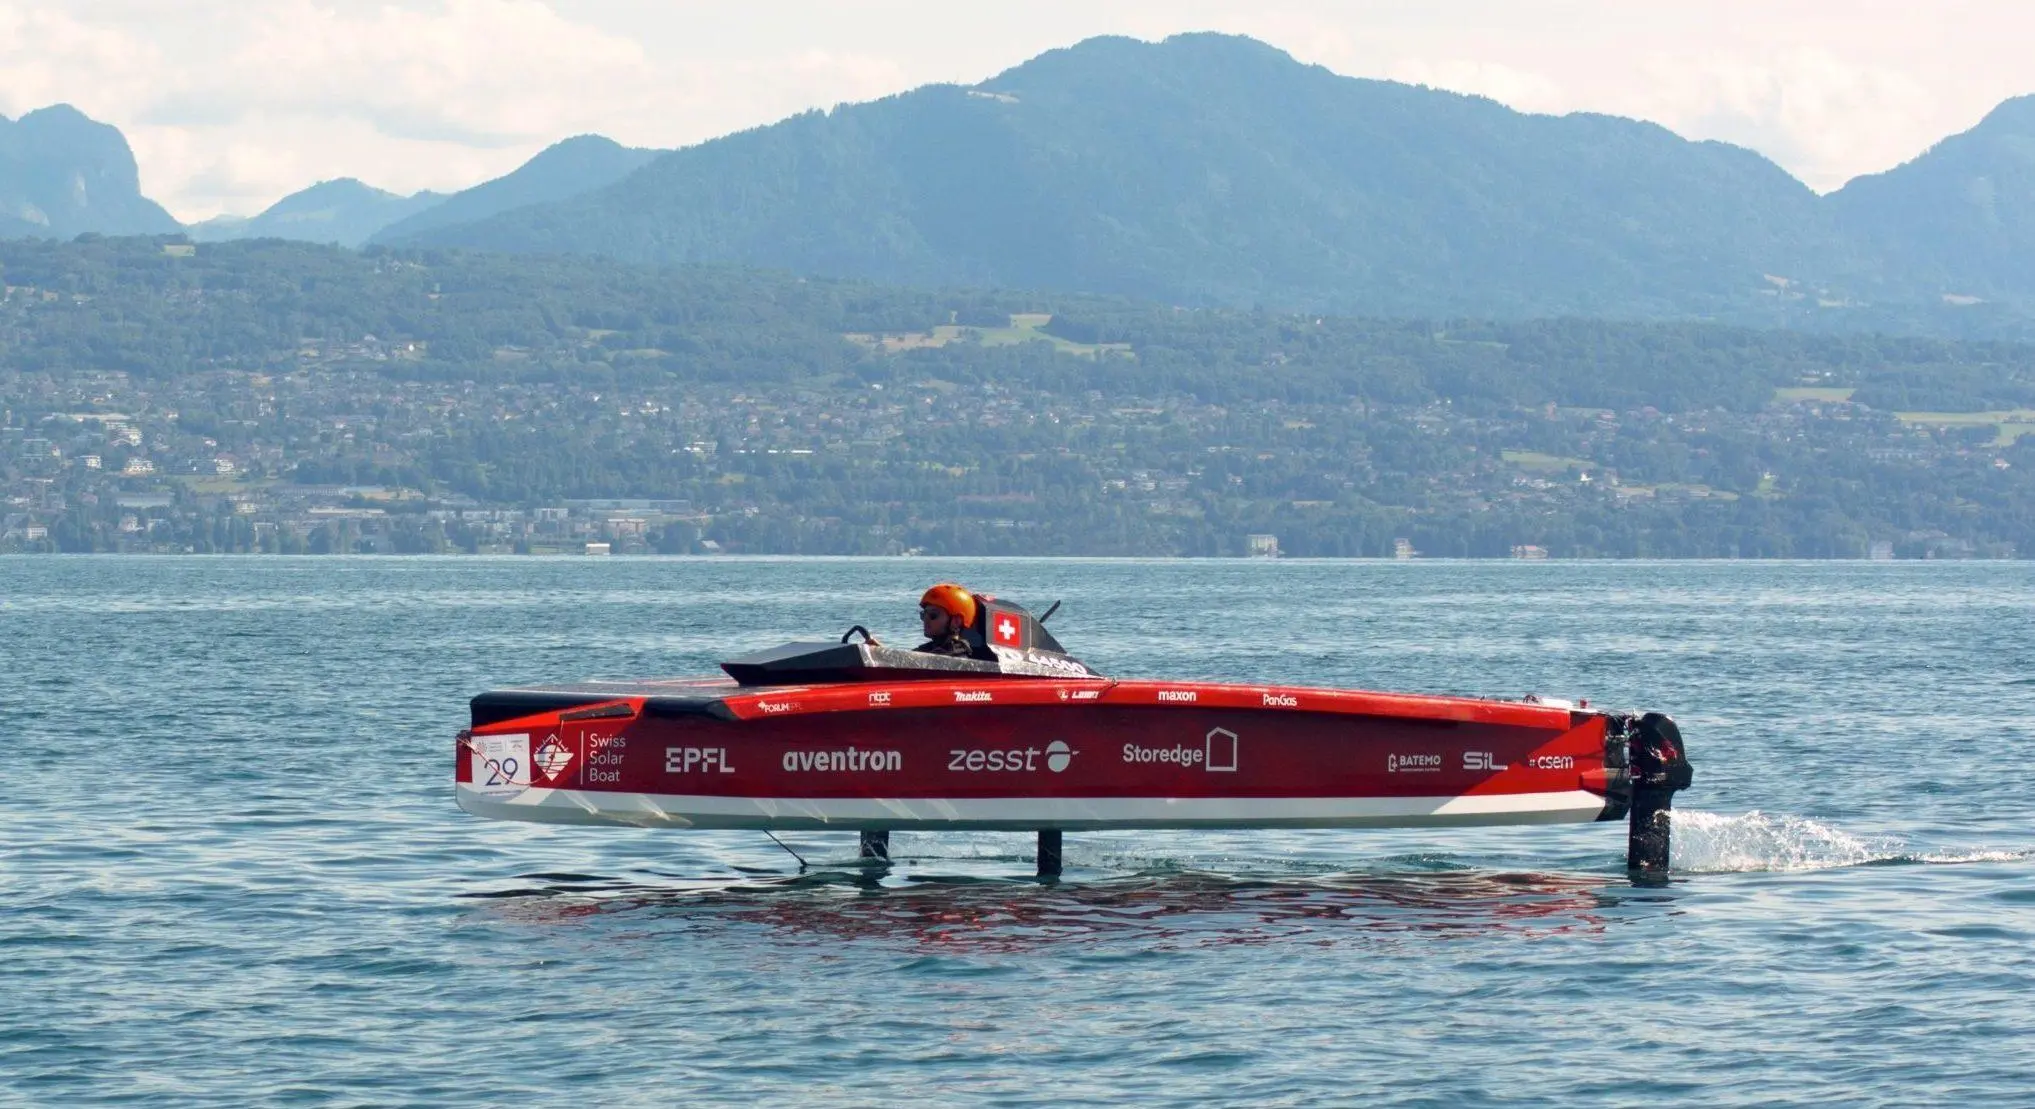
column 1824, row 118
column 486, row 72
column 1517, row 88
column 1821, row 117
column 229, row 105
column 49, row 57
column 287, row 93
column 235, row 112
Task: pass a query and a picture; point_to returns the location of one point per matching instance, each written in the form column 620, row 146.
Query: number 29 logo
column 501, row 763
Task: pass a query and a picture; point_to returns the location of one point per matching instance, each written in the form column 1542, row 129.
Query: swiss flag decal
column 1005, row 630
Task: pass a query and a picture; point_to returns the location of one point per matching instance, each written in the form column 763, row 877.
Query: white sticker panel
column 501, row 763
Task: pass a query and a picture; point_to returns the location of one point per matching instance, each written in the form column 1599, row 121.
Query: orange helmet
column 954, row 599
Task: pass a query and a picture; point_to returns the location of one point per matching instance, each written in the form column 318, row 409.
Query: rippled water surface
column 231, row 869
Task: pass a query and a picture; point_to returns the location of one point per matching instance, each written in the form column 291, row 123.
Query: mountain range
column 1960, row 218
column 563, row 170
column 62, row 175
column 344, row 211
column 350, row 213
column 1210, row 169
column 1204, row 169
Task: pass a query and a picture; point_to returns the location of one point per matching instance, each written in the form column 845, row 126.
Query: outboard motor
column 1659, row 768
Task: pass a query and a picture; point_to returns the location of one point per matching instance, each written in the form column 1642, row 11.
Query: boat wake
column 1713, row 843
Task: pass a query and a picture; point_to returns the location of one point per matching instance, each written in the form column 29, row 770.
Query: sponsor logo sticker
column 1412, row 764
column 972, row 696
column 551, row 758
column 1482, row 760
column 1087, row 694
column 879, row 698
column 1217, row 753
column 1188, row 696
column 1222, row 750
column 971, row 760
column 1281, row 701
column 697, row 760
column 1179, row 754
column 1552, row 762
column 603, row 765
column 849, row 760
column 1042, row 660
column 775, row 707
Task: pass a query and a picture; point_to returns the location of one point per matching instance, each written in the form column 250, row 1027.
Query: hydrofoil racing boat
column 1021, row 736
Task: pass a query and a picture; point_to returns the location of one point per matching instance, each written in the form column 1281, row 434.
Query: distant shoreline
column 455, row 556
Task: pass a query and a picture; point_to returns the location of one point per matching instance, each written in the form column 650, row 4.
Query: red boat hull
column 1026, row 754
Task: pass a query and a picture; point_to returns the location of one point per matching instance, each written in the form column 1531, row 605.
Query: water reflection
column 1171, row 909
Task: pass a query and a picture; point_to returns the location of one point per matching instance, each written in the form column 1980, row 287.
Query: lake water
column 231, row 869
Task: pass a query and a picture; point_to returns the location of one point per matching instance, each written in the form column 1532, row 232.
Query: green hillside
column 1959, row 221
column 564, row 169
column 221, row 390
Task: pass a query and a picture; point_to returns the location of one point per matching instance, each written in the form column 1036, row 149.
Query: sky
column 232, row 104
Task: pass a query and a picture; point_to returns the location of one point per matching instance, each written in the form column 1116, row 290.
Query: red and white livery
column 858, row 736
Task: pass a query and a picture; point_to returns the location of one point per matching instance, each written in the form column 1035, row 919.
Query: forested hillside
column 155, row 308
column 1960, row 218
column 564, row 169
column 765, row 412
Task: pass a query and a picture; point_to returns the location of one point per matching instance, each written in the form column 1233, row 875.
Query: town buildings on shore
column 332, row 460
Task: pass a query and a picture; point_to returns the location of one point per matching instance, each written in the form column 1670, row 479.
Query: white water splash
column 1973, row 857
column 1714, row 843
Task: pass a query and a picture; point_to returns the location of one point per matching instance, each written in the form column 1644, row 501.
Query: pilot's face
column 935, row 620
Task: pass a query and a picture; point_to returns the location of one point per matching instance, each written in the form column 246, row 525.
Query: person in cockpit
column 946, row 611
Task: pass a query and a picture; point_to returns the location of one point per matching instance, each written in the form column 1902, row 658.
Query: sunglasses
column 929, row 612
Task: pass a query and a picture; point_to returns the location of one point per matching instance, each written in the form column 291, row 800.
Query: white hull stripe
column 566, row 806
